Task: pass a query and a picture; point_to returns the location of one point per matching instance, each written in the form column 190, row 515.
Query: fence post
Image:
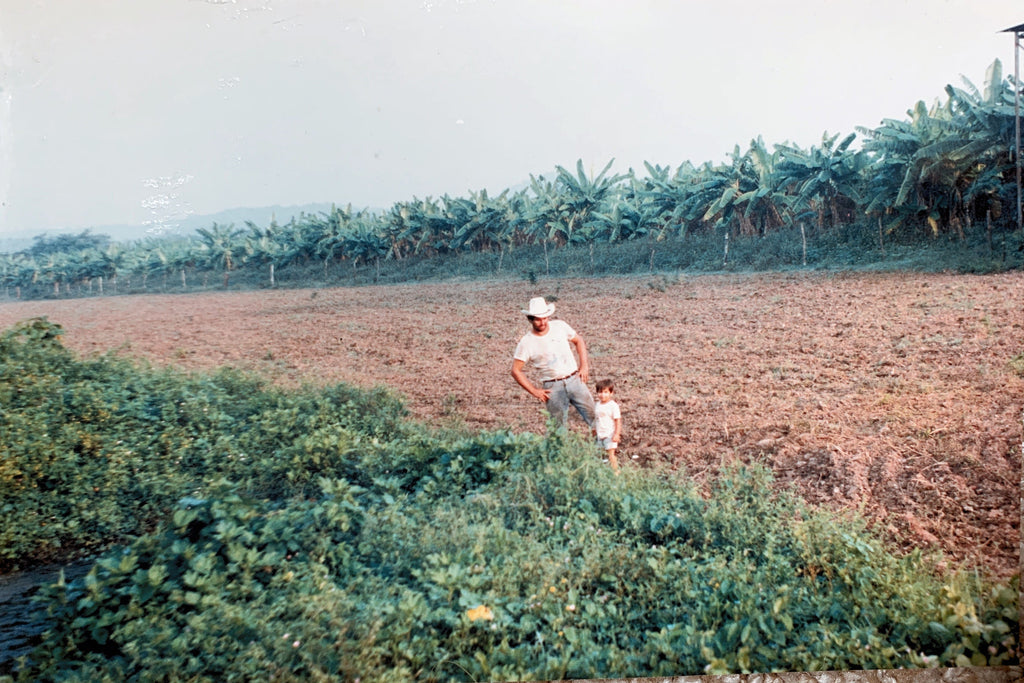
column 988, row 229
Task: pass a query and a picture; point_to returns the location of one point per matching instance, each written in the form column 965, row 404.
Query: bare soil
column 893, row 395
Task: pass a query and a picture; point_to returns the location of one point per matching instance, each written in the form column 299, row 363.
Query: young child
column 607, row 421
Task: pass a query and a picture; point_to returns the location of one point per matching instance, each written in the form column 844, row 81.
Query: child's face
column 604, row 395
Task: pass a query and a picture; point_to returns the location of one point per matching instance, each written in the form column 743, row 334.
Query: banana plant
column 973, row 165
column 826, row 179
column 55, row 269
column 580, row 196
column 662, row 198
column 484, row 222
column 418, row 227
column 330, row 231
column 945, row 165
column 366, row 241
column 264, row 249
column 890, row 147
column 724, row 192
column 9, row 272
column 223, row 247
column 765, row 203
column 182, row 256
column 114, row 259
column 626, row 217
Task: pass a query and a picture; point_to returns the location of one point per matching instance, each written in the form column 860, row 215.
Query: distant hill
column 261, row 216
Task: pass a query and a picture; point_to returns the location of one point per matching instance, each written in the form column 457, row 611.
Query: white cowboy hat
column 539, row 308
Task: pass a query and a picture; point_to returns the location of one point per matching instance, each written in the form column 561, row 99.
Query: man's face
column 540, row 325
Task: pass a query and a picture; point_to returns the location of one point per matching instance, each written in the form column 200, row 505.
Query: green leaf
column 156, row 574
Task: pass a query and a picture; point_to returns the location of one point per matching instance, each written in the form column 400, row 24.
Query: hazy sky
column 143, row 111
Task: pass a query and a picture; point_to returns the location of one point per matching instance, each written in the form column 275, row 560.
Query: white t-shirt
column 550, row 354
column 605, row 415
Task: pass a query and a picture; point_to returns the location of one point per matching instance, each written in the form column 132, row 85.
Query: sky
column 143, row 112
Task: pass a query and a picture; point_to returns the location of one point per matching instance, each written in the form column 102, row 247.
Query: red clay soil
column 895, row 395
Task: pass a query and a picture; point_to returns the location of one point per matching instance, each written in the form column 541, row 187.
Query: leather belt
column 560, row 379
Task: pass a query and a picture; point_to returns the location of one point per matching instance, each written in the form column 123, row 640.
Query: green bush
column 95, row 451
column 552, row 569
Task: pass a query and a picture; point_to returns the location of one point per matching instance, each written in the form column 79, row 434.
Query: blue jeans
column 570, row 391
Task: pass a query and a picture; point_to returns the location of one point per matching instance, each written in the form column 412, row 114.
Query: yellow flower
column 480, row 612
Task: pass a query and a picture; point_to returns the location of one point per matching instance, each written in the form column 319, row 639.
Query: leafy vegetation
column 939, row 184
column 320, row 535
column 97, row 450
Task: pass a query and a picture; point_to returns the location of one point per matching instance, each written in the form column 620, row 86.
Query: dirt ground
column 889, row 394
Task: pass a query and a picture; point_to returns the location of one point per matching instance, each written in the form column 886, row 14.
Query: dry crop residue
column 891, row 394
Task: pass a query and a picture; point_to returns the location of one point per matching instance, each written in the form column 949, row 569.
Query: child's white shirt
column 605, row 415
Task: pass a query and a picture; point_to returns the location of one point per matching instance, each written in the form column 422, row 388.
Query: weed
column 663, row 282
column 450, row 405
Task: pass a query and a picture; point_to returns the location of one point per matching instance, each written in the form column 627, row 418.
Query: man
column 548, row 348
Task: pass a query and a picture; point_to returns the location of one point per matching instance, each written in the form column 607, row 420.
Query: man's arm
column 520, row 377
column 581, row 351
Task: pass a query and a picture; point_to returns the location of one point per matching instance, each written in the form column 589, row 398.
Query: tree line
column 943, row 170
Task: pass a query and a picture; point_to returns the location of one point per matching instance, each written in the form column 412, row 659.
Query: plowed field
column 896, row 395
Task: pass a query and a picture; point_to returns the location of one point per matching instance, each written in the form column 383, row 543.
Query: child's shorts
column 608, row 444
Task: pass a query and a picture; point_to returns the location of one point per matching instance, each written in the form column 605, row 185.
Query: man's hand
column 581, row 351
column 541, row 395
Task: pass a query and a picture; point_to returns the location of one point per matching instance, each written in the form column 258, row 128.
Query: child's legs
column 612, row 459
column 610, row 447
